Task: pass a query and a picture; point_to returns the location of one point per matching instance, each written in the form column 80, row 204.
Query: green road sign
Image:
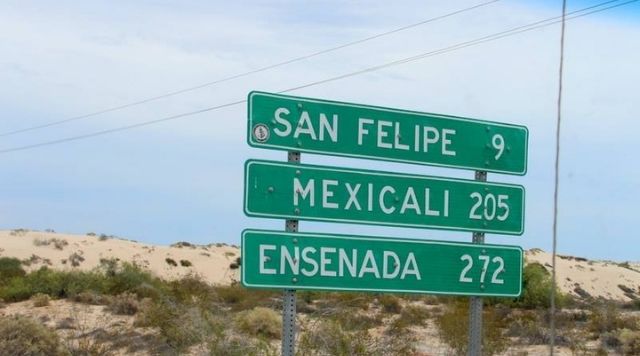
column 272, row 259
column 306, row 192
column 343, row 129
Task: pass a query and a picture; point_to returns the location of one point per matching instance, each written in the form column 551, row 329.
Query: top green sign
column 343, row 129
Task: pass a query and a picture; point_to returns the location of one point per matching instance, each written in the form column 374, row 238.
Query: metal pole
column 475, row 303
column 289, row 295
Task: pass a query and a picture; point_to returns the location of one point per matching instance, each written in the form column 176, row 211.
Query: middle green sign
column 307, row 192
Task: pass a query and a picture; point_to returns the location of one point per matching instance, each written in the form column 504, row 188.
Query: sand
column 600, row 279
column 59, row 251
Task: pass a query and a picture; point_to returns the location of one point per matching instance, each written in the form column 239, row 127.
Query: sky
column 182, row 180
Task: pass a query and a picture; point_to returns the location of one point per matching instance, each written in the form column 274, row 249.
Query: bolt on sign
column 364, row 131
column 308, row 192
column 273, row 259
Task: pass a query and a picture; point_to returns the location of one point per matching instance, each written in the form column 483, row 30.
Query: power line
column 517, row 30
column 248, row 73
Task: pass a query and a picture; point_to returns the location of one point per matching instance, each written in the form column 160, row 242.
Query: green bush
column 10, row 268
column 127, row 278
column 260, row 321
column 21, row 336
column 536, row 288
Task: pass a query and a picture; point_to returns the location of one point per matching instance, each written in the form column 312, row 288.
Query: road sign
column 272, row 259
column 344, row 129
column 307, row 192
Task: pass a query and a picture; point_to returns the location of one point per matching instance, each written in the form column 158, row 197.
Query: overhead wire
column 517, row 30
column 247, row 73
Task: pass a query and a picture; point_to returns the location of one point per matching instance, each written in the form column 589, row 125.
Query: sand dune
column 599, row 279
column 577, row 276
column 63, row 251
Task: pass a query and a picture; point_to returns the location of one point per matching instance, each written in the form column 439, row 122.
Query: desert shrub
column 43, row 281
column 229, row 254
column 390, row 303
column 527, row 326
column 349, row 299
column 630, row 341
column 123, row 304
column 456, row 319
column 76, row 259
column 63, row 284
column 192, row 290
column 40, row 300
column 632, row 305
column 224, row 343
column 536, row 288
column 180, row 326
column 128, row 277
column 260, row 321
column 351, row 319
column 328, row 338
column 16, row 290
column 19, row 232
column 21, row 336
column 146, row 290
column 610, row 340
column 410, row 315
column 240, row 298
column 605, row 318
column 171, row 262
column 90, row 297
column 59, row 244
column 185, row 263
column 10, row 268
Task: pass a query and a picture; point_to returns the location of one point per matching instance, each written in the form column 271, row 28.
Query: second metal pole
column 289, row 295
column 475, row 303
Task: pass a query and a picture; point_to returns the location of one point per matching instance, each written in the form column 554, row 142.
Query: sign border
column 378, row 238
column 252, row 143
column 382, row 173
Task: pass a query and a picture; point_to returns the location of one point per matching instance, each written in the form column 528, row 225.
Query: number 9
column 498, row 144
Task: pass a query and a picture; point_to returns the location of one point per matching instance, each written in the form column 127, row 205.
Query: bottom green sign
column 272, row 259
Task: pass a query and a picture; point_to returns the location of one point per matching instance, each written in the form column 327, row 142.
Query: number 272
column 485, row 259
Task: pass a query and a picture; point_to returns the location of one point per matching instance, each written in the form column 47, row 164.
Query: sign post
column 475, row 302
column 292, row 191
column 289, row 295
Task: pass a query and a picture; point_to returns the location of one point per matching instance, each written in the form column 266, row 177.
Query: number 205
column 495, row 207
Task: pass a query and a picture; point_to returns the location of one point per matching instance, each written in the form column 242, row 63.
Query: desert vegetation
column 190, row 316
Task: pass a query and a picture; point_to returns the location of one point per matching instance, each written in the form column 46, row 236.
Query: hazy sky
column 182, row 180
